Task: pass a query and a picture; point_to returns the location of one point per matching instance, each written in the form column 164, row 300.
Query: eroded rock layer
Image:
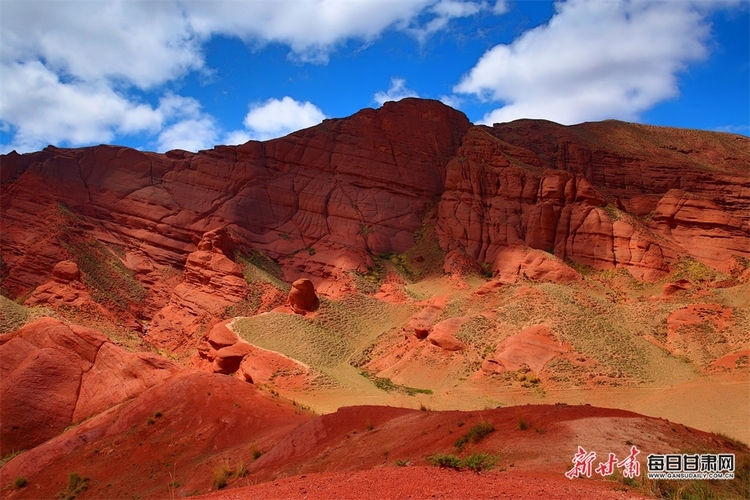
column 323, row 200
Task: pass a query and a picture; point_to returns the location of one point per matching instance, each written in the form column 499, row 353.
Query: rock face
column 212, row 282
column 302, row 297
column 63, row 288
column 583, row 192
column 322, row 201
column 53, row 374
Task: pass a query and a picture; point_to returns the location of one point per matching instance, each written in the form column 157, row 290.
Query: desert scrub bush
column 258, row 267
column 403, row 462
column 693, row 270
column 522, row 424
column 20, row 482
column 475, row 434
column 111, row 283
column 221, row 475
column 480, row 332
column 477, row 462
column 445, row 461
column 76, row 486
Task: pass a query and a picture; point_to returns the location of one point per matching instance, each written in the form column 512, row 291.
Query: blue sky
column 189, row 74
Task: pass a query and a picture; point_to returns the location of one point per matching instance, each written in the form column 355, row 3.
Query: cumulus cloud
column 184, row 125
column 395, row 92
column 276, row 118
column 41, row 109
column 593, row 60
column 85, row 61
column 441, row 13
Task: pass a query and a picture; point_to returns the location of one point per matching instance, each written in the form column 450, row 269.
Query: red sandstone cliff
column 324, row 199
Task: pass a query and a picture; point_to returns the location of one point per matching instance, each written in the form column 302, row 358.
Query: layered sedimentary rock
column 601, row 194
column 212, row 282
column 360, row 183
column 325, row 200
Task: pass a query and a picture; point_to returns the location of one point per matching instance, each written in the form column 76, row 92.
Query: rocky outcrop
column 361, row 182
column 63, row 288
column 443, row 334
column 222, row 351
column 518, row 260
column 531, row 349
column 212, row 282
column 302, row 297
column 53, row 374
column 323, row 201
column 585, row 193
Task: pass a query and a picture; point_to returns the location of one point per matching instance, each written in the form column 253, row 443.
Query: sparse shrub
column 76, row 486
column 475, row 462
column 221, row 476
column 403, row 462
column 20, row 482
column 240, row 469
column 475, row 434
column 445, row 461
column 256, row 453
column 10, row 456
column 150, row 421
column 479, row 461
column 368, row 425
column 522, row 424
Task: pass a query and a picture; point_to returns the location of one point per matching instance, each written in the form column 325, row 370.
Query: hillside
column 455, row 268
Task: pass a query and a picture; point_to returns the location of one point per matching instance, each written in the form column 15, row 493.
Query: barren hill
column 400, row 256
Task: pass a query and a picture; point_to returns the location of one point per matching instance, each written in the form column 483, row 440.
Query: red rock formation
column 302, row 297
column 323, row 200
column 212, row 282
column 442, row 334
column 518, row 260
column 361, row 182
column 223, row 352
column 532, row 348
column 53, row 374
column 64, row 288
column 549, row 186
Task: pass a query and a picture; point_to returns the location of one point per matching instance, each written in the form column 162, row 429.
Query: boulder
column 302, row 296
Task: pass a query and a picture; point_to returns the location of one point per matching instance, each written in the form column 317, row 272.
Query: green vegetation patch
column 76, row 485
column 475, row 462
column 13, row 315
column 475, row 434
column 386, row 384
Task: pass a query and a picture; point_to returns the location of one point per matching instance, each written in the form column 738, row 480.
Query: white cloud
column 83, row 60
column 311, row 28
column 501, row 7
column 277, row 118
column 396, row 92
column 593, row 60
column 144, row 43
column 185, row 125
column 43, row 110
column 451, row 100
column 443, row 12
column 191, row 134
